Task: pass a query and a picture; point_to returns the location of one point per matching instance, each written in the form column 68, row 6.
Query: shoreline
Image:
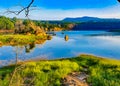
column 94, row 67
column 57, row 59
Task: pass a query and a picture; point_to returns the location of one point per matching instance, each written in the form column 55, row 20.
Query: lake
column 99, row 43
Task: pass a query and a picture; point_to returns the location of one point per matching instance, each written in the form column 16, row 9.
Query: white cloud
column 58, row 14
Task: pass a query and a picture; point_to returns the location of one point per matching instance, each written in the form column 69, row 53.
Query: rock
column 66, row 37
column 74, row 79
column 49, row 37
column 82, row 76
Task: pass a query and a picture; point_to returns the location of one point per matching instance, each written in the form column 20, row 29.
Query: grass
column 21, row 39
column 101, row 71
column 43, row 73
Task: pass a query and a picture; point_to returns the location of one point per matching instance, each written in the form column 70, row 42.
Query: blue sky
column 59, row 9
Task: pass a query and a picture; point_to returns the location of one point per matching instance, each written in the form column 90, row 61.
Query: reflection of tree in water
column 19, row 54
column 29, row 47
column 18, row 51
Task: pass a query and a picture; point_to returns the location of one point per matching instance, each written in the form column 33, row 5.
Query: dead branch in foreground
column 26, row 9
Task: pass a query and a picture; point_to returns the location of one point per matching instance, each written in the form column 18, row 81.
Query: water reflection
column 79, row 42
column 29, row 47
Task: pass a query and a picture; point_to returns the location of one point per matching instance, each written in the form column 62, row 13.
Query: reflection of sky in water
column 106, row 46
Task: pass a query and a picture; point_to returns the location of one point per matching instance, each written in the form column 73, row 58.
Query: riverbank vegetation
column 6, row 23
column 15, row 31
column 101, row 71
column 18, row 32
column 43, row 73
column 32, row 26
column 20, row 39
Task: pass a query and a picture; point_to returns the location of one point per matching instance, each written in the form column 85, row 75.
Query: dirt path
column 75, row 79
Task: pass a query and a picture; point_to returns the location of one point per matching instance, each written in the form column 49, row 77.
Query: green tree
column 6, row 23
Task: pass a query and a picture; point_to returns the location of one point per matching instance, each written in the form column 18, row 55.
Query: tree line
column 32, row 26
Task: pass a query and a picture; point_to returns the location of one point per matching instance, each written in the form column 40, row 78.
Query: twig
column 26, row 9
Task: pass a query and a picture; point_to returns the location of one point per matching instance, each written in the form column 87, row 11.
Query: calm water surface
column 98, row 43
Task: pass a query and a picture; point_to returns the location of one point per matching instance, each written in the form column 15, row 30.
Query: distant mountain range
column 94, row 23
column 90, row 19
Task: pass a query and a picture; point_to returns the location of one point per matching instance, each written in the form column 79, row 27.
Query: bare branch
column 26, row 9
column 118, row 0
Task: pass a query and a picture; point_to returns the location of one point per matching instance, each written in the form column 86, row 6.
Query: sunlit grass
column 21, row 39
column 101, row 71
column 43, row 73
